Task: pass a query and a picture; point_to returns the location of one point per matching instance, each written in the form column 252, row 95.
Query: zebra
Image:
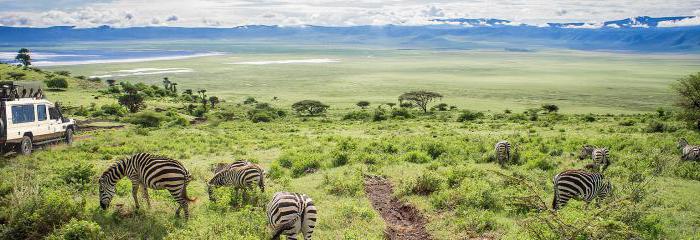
column 147, row 171
column 579, row 184
column 221, row 166
column 502, row 152
column 239, row 175
column 288, row 213
column 690, row 152
column 600, row 156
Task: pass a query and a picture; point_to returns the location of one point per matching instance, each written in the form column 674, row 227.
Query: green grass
column 578, row 82
column 453, row 159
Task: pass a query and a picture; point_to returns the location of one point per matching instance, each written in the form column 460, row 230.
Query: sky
column 229, row 13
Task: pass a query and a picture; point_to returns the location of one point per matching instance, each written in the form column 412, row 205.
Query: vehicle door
column 56, row 121
column 44, row 129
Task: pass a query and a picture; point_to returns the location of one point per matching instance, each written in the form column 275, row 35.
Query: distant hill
column 634, row 34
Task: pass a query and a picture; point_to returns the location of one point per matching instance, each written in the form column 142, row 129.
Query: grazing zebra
column 502, row 152
column 579, row 184
column 690, row 152
column 239, row 175
column 600, row 156
column 147, row 171
column 221, row 166
column 288, row 213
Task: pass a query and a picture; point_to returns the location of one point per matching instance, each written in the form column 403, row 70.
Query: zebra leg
column 234, row 198
column 135, row 193
column 145, row 195
column 292, row 236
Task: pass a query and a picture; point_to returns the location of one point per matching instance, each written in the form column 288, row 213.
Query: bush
column 427, row 183
column 263, row 112
column 658, row 127
column 147, row 119
column 357, row 115
column 36, row 216
column 63, row 73
column 434, row 149
column 379, row 115
column 550, row 108
column 416, row 157
column 258, row 116
column 78, row 230
column 467, row 115
column 133, row 101
column 79, row 174
column 114, row 110
column 339, row 159
column 311, row 107
column 401, row 113
column 627, row 123
column 57, row 83
column 346, row 184
column 589, row 118
column 362, row 104
column 179, row 121
column 250, row 100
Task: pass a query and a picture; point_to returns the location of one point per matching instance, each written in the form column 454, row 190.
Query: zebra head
column 682, row 143
column 586, row 151
column 107, row 190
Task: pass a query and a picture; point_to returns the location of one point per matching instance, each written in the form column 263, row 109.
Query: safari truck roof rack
column 10, row 92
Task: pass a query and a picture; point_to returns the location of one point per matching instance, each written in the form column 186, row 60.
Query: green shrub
column 339, row 159
column 80, row 174
column 379, row 115
column 56, row 83
column 36, row 216
column 416, row 157
column 467, row 115
column 658, row 127
column 305, row 165
column 114, row 110
column 346, row 184
column 589, row 118
column 427, row 183
column 179, row 121
column 434, row 149
column 401, row 113
column 357, row 115
column 78, row 230
column 147, row 119
column 627, row 123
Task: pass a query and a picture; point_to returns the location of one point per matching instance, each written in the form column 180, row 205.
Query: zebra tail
column 283, row 227
column 184, row 190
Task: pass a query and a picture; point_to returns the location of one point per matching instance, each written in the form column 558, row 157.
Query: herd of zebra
column 587, row 184
column 290, row 213
column 287, row 213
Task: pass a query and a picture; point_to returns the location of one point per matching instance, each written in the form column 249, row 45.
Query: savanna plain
column 441, row 161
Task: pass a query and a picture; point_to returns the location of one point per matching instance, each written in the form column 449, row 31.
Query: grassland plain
column 580, row 82
column 442, row 166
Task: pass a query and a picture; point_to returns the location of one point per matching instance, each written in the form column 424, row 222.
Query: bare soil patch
column 403, row 221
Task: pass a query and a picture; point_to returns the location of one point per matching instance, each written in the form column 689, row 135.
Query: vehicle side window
column 41, row 112
column 53, row 113
column 23, row 113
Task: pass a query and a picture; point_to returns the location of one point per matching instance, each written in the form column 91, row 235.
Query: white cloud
column 220, row 13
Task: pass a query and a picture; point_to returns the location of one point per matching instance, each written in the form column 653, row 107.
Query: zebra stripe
column 239, row 175
column 502, row 152
column 221, row 166
column 600, row 156
column 690, row 152
column 147, row 171
column 578, row 184
column 288, row 213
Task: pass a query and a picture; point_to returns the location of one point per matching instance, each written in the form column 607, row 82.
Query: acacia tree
column 132, row 101
column 550, row 108
column 23, row 57
column 213, row 100
column 312, row 107
column 688, row 90
column 420, row 98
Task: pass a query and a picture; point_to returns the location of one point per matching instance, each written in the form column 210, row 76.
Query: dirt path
column 403, row 221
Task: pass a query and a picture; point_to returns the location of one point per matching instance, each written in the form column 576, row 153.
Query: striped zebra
column 690, row 152
column 288, row 213
column 221, row 166
column 502, row 152
column 579, row 184
column 600, row 156
column 147, row 171
column 240, row 175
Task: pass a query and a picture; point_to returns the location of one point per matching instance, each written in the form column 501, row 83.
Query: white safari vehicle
column 27, row 119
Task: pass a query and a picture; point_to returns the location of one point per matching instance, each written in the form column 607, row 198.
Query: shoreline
column 126, row 60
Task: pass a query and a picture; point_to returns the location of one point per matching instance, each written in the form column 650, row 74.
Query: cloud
column 220, row 13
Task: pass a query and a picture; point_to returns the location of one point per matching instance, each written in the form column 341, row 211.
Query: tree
column 188, row 92
column 166, row 83
column 550, row 108
column 132, row 101
column 312, row 107
column 57, row 83
column 688, row 99
column 23, row 57
column 362, row 104
column 111, row 82
column 250, row 100
column 16, row 75
column 420, row 98
column 173, row 87
column 213, row 100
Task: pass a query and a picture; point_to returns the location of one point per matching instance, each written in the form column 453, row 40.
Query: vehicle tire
column 69, row 136
column 25, row 146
